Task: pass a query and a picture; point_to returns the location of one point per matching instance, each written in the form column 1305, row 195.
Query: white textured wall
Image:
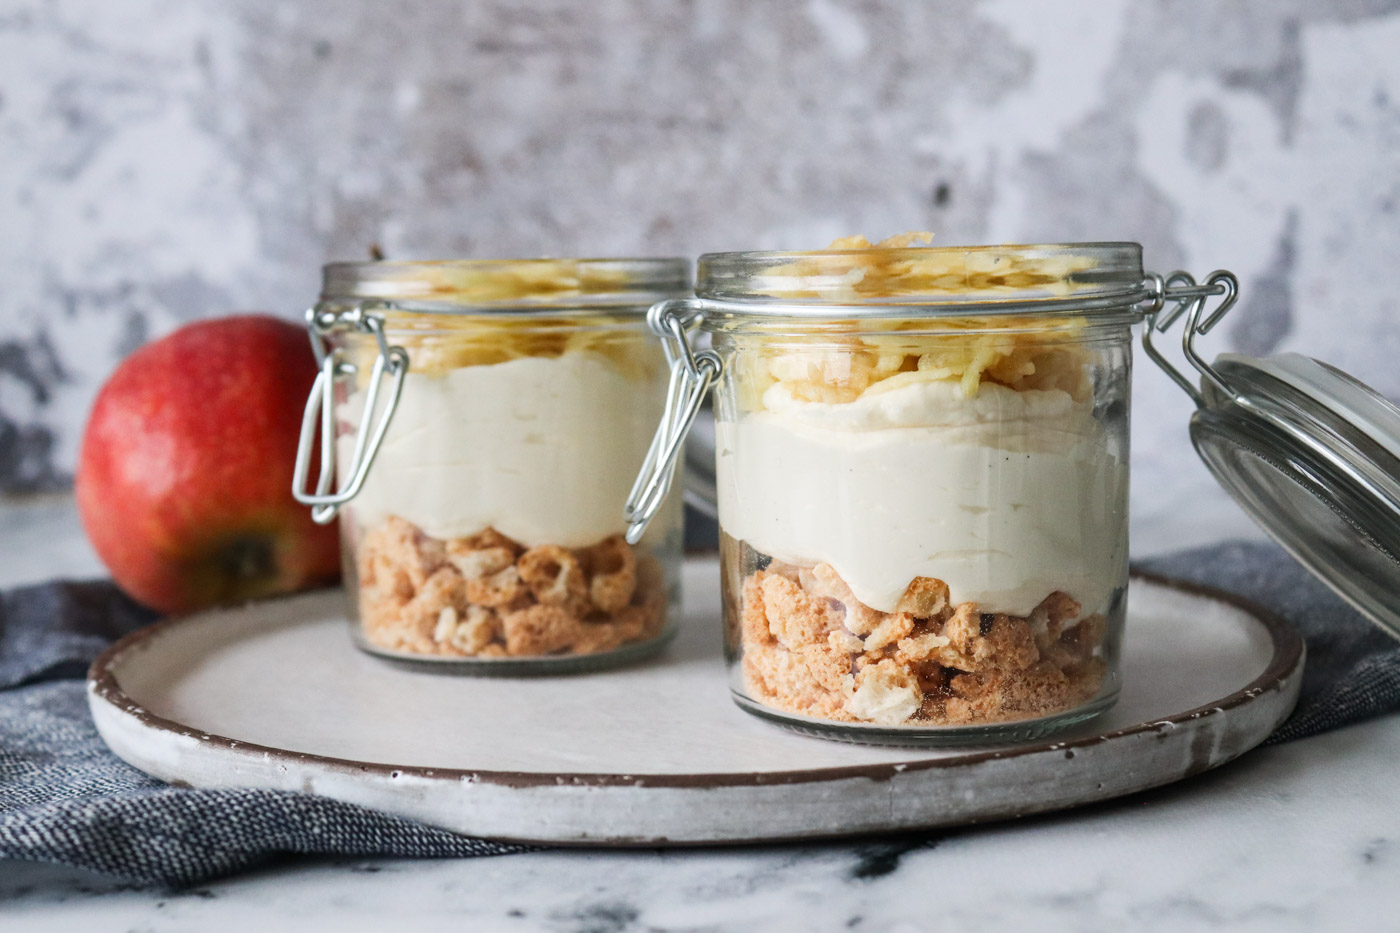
column 162, row 160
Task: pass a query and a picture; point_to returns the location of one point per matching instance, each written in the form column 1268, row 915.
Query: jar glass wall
column 488, row 529
column 923, row 512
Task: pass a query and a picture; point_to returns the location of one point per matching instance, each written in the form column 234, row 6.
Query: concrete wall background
column 162, row 160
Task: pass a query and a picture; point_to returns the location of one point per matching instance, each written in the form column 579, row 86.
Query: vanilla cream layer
column 544, row 450
column 1006, row 496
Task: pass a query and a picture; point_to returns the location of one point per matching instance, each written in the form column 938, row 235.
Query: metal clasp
column 391, row 361
column 1179, row 294
column 692, row 374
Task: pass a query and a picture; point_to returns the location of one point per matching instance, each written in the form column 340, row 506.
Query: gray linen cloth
column 65, row 798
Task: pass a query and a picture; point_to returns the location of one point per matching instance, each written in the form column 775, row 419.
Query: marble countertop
column 1304, row 836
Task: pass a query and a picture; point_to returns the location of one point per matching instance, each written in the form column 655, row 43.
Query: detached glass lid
column 1309, row 452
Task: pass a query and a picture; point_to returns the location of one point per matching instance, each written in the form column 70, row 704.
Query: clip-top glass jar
column 483, row 421
column 922, row 465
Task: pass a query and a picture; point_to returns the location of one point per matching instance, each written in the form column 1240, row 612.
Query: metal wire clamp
column 692, row 374
column 390, row 362
column 1179, row 294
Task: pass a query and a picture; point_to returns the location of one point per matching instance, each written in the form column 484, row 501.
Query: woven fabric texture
column 65, row 798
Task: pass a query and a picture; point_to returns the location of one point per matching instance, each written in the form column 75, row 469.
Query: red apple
column 185, row 477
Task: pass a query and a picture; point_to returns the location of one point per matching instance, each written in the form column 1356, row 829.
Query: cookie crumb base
column 487, row 597
column 810, row 648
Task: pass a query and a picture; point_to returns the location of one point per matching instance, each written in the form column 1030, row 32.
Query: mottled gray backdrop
column 162, row 160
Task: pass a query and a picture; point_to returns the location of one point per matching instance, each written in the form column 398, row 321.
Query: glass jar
column 922, row 472
column 488, row 418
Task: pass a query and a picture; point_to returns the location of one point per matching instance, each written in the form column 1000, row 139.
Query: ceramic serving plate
column 274, row 695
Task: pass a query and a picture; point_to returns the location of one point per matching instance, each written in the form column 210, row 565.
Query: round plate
column 274, row 695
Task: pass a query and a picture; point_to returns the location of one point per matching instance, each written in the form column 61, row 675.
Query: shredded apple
column 506, row 327
column 843, row 359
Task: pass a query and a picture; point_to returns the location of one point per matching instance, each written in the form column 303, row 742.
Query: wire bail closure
column 391, row 361
column 1179, row 294
column 692, row 374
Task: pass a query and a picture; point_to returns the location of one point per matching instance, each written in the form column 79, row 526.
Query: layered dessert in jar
column 489, row 526
column 924, row 517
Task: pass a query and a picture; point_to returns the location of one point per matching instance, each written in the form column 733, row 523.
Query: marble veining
column 163, row 161
column 1295, row 837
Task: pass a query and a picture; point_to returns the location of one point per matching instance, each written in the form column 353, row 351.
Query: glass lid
column 1309, row 452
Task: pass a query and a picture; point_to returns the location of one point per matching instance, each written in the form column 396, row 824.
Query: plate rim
column 1289, row 653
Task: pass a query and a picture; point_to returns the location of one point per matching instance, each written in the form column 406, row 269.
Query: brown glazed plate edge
column 1283, row 666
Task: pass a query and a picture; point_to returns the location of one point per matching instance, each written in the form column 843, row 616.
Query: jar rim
column 456, row 286
column 924, row 281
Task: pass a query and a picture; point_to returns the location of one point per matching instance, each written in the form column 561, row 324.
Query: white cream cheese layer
column 544, row 450
column 1006, row 496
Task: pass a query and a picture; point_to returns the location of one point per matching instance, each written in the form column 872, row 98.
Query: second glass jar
column 922, row 477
